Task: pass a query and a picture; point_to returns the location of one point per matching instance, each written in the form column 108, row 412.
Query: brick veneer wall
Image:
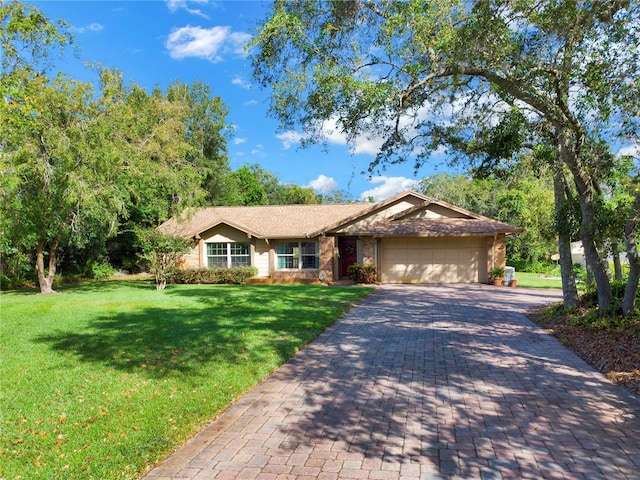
column 327, row 250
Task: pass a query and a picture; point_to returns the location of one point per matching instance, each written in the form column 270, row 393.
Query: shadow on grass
column 225, row 325
column 87, row 286
column 105, row 285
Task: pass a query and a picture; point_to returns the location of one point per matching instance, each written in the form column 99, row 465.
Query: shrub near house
column 233, row 276
column 362, row 273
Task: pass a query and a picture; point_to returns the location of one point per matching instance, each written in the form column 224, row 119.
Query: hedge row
column 235, row 275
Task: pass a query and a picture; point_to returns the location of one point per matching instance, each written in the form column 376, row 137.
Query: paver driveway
column 425, row 382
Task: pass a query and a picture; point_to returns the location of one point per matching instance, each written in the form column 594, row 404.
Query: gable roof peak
column 401, row 195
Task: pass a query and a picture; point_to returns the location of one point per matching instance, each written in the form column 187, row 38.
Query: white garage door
column 434, row 260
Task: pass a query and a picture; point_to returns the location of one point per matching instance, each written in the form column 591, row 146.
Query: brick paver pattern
column 425, row 382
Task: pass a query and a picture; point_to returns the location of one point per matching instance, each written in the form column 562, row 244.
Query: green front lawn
column 537, row 280
column 104, row 378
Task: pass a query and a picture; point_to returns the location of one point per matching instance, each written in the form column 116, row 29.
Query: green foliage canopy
column 407, row 69
column 77, row 161
column 28, row 39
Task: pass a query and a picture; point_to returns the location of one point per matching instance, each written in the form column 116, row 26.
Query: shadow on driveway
column 426, row 382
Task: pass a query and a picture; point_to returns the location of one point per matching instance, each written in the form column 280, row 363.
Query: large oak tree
column 420, row 72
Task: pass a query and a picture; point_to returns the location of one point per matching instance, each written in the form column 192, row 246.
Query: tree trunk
column 567, row 152
column 604, row 255
column 45, row 278
column 615, row 253
column 569, row 289
column 630, row 236
column 590, row 281
column 160, row 278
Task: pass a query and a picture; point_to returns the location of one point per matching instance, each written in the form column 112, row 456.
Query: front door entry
column 348, row 249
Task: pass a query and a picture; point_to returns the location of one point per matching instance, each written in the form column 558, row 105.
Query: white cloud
column 361, row 145
column 258, row 150
column 289, row 138
column 250, row 103
column 332, row 135
column 238, row 141
column 92, row 27
column 323, row 184
column 370, row 144
column 390, row 186
column 241, row 82
column 175, row 5
column 208, row 43
column 631, row 150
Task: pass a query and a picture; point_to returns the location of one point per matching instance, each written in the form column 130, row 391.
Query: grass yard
column 104, row 378
column 537, row 280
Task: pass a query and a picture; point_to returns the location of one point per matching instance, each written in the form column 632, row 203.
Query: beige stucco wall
column 224, row 233
column 436, row 211
column 192, row 259
column 260, row 255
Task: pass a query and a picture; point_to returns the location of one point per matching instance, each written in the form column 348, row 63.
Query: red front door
column 348, row 248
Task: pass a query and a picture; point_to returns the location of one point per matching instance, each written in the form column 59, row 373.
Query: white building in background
column 577, row 255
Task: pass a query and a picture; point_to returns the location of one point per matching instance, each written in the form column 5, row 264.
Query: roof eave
column 431, row 235
column 241, row 228
column 462, row 233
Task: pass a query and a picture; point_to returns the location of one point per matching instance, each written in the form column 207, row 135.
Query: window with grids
column 228, row 254
column 297, row 255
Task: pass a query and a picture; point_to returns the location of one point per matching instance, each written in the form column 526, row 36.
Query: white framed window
column 228, row 255
column 297, row 256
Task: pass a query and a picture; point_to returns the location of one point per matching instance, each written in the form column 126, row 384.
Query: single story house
column 411, row 238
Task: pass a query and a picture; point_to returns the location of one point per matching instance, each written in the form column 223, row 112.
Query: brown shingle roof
column 300, row 221
column 439, row 227
column 271, row 221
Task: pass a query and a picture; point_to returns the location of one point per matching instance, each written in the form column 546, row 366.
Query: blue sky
column 156, row 42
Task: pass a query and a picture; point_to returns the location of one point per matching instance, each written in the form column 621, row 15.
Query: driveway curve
column 425, row 382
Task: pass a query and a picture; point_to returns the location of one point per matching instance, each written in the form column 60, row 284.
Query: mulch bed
column 613, row 351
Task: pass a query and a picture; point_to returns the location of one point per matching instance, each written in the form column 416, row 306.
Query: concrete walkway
column 425, row 382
